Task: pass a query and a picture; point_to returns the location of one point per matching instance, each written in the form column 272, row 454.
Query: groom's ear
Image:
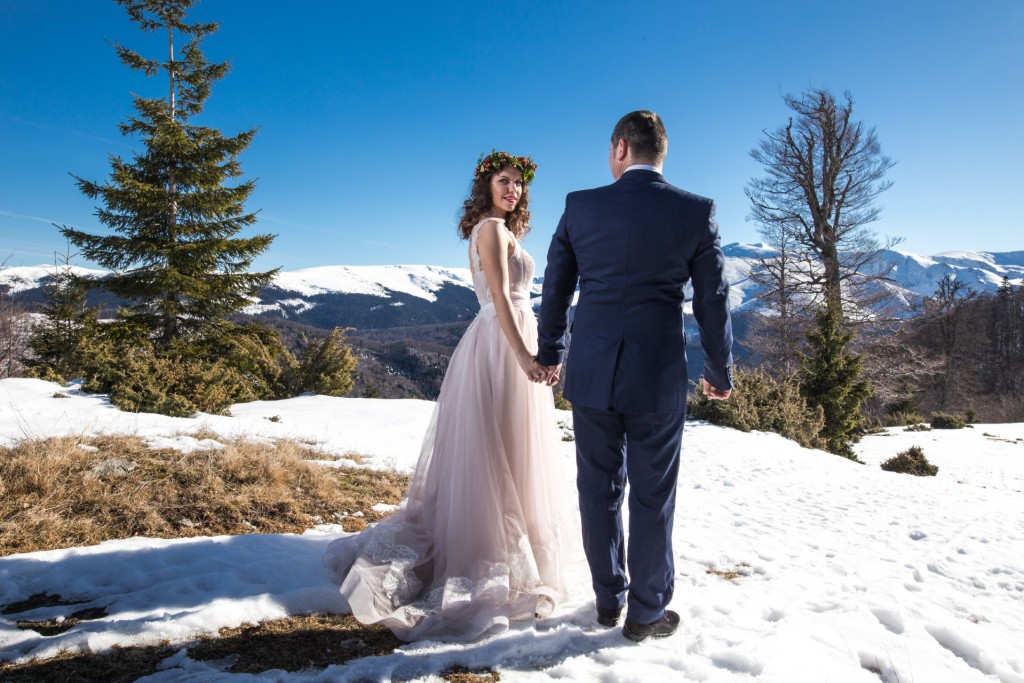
column 621, row 149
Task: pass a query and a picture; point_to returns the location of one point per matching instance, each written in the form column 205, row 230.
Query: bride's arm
column 493, row 245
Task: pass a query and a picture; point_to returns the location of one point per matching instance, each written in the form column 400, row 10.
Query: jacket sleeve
column 560, row 278
column 711, row 306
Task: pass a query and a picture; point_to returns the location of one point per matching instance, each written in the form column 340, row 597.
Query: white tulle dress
column 488, row 533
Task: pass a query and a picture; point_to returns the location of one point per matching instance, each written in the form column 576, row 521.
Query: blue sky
column 372, row 115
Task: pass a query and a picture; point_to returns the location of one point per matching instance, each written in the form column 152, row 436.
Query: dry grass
column 120, row 665
column 313, row 641
column 305, row 642
column 49, row 498
column 729, row 574
column 460, row 674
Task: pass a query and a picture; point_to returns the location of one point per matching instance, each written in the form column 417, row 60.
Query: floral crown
column 495, row 161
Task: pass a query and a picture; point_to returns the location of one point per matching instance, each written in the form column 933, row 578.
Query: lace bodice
column 520, row 269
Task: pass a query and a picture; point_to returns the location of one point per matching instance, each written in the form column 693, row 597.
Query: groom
column 633, row 245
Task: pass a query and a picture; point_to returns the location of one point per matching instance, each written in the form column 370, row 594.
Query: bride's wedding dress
column 487, row 534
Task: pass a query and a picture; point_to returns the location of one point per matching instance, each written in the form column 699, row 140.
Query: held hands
column 541, row 374
column 712, row 393
column 550, row 377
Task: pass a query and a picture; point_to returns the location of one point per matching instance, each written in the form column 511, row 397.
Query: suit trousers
column 614, row 448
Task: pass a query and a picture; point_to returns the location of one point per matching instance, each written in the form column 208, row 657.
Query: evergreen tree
column 325, row 368
column 58, row 343
column 1005, row 288
column 830, row 377
column 175, row 252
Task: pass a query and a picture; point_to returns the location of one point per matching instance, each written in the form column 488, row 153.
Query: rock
column 112, row 467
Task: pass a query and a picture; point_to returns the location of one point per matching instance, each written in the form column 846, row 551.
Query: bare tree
column 975, row 342
column 898, row 369
column 1006, row 322
column 14, row 329
column 944, row 314
column 824, row 173
column 779, row 329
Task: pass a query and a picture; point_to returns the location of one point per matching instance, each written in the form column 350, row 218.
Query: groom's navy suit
column 632, row 246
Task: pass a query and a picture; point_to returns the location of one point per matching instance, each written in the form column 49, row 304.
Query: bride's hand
column 534, row 371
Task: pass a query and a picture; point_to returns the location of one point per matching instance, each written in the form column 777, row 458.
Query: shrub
column 325, row 367
column 903, row 419
column 766, row 404
column 143, row 381
column 239, row 363
column 971, row 416
column 207, row 373
column 561, row 402
column 947, row 421
column 910, row 461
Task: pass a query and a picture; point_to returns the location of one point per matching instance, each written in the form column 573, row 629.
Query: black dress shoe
column 608, row 617
column 663, row 627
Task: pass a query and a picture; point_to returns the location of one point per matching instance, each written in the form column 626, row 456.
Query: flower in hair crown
column 495, row 161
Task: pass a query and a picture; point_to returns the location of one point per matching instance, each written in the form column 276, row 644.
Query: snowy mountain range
column 403, row 295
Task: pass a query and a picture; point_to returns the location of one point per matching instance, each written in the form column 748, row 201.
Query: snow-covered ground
column 843, row 572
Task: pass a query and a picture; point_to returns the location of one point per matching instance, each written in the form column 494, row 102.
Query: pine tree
column 325, row 368
column 830, row 377
column 59, row 341
column 175, row 252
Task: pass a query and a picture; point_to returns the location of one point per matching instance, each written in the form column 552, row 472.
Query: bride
column 486, row 534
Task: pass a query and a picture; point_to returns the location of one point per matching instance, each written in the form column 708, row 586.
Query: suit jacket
column 633, row 245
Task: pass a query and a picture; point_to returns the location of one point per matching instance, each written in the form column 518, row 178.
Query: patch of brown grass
column 729, row 574
column 460, row 674
column 313, row 641
column 38, row 600
column 120, row 665
column 52, row 627
column 49, row 498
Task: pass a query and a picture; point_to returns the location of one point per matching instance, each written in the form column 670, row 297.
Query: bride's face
column 506, row 189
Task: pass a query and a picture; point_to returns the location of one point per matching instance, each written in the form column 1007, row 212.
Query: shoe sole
column 638, row 638
column 641, row 637
column 635, row 637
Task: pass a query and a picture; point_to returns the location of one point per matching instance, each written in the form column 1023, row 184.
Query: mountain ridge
column 373, row 297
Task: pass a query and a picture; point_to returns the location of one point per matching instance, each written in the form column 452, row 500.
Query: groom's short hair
column 645, row 134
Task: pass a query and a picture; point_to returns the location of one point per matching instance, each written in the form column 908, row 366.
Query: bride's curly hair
column 480, row 203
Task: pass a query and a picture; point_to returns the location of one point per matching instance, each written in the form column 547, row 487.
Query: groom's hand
column 712, row 393
column 551, row 374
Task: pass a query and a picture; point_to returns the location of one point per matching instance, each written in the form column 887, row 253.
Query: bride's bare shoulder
column 491, row 222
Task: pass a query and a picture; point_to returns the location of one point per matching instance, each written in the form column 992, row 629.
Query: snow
column 284, row 307
column 418, row 281
column 335, row 426
column 914, row 276
column 415, row 280
column 842, row 572
column 22, row 278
